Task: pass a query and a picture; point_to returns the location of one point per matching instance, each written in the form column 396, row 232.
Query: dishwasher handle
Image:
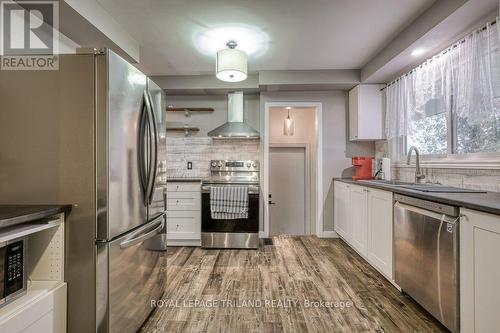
column 425, row 212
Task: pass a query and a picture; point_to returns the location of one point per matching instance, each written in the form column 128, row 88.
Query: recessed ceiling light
column 418, row 52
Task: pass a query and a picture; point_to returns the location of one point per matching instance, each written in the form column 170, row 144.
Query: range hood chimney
column 235, row 128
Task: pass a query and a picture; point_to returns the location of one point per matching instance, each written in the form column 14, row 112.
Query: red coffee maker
column 363, row 167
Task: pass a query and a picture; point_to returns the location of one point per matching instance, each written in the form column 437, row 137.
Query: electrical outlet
column 189, row 165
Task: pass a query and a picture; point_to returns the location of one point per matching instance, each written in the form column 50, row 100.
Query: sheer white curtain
column 476, row 80
column 463, row 80
column 396, row 115
column 416, row 107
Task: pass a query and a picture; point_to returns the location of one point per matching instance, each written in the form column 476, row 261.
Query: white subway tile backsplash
column 200, row 150
column 487, row 180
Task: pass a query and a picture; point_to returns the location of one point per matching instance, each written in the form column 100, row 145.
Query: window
column 482, row 137
column 427, row 129
column 449, row 105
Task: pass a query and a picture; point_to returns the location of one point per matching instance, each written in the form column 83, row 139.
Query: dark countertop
column 16, row 214
column 488, row 202
column 184, row 179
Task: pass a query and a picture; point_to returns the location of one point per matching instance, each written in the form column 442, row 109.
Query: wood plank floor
column 293, row 269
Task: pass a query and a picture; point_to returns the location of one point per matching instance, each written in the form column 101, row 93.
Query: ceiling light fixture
column 231, row 64
column 288, row 125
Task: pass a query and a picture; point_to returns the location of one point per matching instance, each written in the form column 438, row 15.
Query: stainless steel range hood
column 235, row 128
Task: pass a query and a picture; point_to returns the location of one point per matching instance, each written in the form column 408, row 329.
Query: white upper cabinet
column 366, row 112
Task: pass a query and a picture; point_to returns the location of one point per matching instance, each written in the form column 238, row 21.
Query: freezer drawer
column 136, row 276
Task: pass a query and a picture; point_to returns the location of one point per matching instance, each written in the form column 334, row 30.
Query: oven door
column 250, row 225
column 233, row 233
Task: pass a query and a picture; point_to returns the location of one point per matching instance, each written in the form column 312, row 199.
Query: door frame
column 318, row 225
column 307, row 177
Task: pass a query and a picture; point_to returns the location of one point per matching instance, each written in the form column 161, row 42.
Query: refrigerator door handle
column 154, row 164
column 152, row 151
column 139, row 236
column 142, row 150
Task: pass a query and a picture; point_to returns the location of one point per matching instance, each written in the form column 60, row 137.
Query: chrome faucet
column 418, row 172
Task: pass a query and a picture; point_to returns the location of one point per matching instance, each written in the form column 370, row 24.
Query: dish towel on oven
column 229, row 202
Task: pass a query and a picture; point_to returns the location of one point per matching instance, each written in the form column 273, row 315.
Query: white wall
column 336, row 149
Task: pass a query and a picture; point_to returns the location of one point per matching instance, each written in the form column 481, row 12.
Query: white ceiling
column 302, row 34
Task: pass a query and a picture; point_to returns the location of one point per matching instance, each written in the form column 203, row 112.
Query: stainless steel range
column 231, row 233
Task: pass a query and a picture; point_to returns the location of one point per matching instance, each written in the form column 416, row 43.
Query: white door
column 358, row 214
column 380, row 230
column 287, row 191
column 341, row 210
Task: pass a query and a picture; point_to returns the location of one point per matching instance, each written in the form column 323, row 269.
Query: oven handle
column 206, row 189
column 425, row 212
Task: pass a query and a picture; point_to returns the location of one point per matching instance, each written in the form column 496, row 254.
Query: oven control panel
column 226, row 165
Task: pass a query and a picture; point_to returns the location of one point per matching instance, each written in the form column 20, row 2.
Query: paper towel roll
column 386, row 168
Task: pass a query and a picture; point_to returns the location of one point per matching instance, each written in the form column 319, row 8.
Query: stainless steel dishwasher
column 426, row 253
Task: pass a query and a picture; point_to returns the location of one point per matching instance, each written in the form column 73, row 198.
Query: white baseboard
column 328, row 234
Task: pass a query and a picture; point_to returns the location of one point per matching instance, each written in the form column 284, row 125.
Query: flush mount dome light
column 231, row 65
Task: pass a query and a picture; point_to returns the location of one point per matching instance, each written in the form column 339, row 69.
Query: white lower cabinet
column 342, row 225
column 380, row 216
column 479, row 272
column 358, row 218
column 184, row 214
column 363, row 218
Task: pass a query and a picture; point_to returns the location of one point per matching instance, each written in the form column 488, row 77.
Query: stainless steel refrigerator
column 92, row 134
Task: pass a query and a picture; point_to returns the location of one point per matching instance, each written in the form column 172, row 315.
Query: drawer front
column 183, row 224
column 183, row 187
column 184, row 201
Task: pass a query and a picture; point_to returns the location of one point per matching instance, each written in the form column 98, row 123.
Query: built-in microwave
column 12, row 269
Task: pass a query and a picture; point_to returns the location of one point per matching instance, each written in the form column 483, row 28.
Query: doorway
column 288, row 190
column 292, row 170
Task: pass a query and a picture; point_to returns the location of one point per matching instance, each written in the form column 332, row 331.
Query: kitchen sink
column 388, row 182
column 435, row 188
column 441, row 189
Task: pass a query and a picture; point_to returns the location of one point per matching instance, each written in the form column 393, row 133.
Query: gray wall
column 208, row 121
column 336, row 149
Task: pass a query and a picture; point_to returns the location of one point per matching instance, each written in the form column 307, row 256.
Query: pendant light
column 288, row 125
column 231, row 64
